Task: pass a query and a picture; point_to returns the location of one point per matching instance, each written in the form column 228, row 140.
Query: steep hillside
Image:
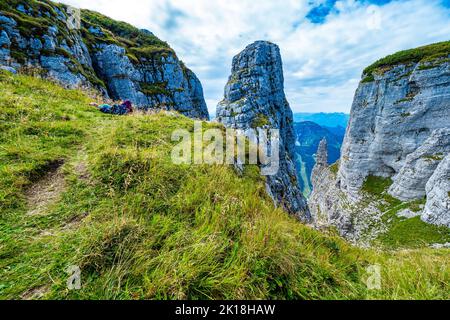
column 395, row 149
column 308, row 136
column 113, row 57
column 80, row 188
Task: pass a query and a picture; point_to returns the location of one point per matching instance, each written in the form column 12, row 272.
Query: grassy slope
column 141, row 227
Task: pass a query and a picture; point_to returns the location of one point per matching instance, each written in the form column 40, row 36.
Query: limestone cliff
column 254, row 98
column 119, row 60
column 399, row 130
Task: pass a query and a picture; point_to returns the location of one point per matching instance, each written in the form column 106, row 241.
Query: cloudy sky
column 325, row 44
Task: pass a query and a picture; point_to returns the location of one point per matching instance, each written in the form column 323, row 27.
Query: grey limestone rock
column 5, row 44
column 391, row 118
column 437, row 207
column 119, row 74
column 410, row 182
column 9, row 69
column 49, row 43
column 322, row 153
column 57, row 68
column 181, row 89
column 408, row 213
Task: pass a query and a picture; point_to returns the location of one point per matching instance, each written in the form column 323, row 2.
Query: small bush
column 260, row 121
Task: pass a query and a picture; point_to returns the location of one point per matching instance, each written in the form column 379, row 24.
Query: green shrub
column 260, row 121
column 335, row 167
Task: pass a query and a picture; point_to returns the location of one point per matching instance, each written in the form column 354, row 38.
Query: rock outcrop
column 410, row 182
column 120, row 61
column 437, row 207
column 322, row 153
column 392, row 117
column 399, row 129
column 254, row 99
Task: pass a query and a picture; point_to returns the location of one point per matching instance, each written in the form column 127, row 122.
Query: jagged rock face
column 254, row 98
column 410, row 182
column 57, row 50
column 359, row 221
column 95, row 57
column 120, row 75
column 330, row 206
column 391, row 118
column 437, row 207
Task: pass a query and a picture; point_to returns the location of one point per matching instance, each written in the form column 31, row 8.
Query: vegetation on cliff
column 421, row 54
column 402, row 232
column 139, row 44
column 43, row 14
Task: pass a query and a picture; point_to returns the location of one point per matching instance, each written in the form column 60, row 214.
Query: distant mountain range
column 332, row 120
column 308, row 135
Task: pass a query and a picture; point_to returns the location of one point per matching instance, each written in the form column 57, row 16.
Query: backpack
column 105, row 108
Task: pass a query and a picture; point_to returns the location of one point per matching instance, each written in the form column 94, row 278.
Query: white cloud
column 322, row 62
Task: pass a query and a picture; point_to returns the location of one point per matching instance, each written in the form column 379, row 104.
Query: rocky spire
column 254, row 98
column 322, row 153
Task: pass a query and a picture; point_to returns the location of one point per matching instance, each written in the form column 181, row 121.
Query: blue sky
column 325, row 44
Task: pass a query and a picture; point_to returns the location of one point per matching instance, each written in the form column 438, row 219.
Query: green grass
column 140, row 227
column 367, row 79
column 126, row 32
column 30, row 26
column 434, row 157
column 421, row 54
column 376, row 185
column 413, row 232
column 402, row 232
column 334, row 167
column 155, row 89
